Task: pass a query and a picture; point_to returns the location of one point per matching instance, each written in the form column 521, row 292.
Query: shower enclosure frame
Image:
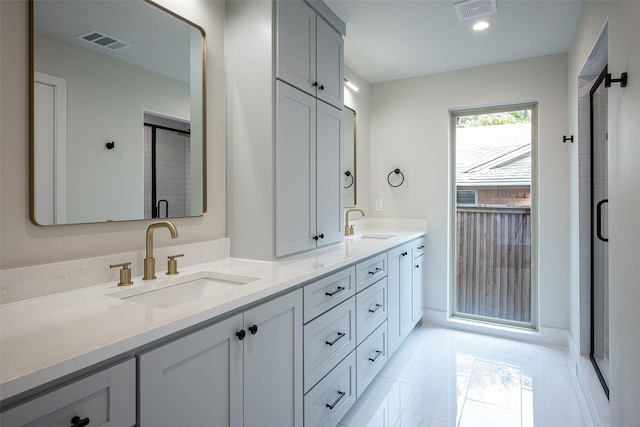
column 596, row 230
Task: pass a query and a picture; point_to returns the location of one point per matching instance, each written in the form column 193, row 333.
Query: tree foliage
column 493, row 119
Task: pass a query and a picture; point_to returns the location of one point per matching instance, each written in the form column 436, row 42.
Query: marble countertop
column 46, row 338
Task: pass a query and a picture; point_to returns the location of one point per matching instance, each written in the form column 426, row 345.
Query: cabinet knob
column 321, row 236
column 404, row 253
column 315, row 84
column 253, row 329
column 321, row 87
column 241, row 334
column 78, row 422
column 417, row 266
column 315, row 238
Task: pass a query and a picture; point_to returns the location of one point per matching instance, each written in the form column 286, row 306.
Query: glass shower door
column 599, row 233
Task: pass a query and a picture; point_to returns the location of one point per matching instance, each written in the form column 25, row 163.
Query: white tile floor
column 447, row 378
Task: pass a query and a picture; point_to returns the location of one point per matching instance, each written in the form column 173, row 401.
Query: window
column 493, row 215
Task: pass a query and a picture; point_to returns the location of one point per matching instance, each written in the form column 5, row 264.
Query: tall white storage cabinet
column 308, row 153
column 284, row 62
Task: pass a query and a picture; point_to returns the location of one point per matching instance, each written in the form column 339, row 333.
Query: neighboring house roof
column 485, row 161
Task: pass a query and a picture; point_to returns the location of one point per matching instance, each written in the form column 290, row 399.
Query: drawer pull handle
column 378, row 269
column 341, row 394
column 373, row 310
column 404, row 253
column 77, row 422
column 378, row 353
column 337, row 291
column 421, row 247
column 340, row 335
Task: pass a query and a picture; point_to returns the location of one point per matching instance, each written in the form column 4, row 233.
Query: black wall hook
column 397, row 172
column 110, row 145
column 622, row 80
column 565, row 138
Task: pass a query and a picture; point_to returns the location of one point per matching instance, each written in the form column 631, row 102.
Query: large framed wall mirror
column 349, row 175
column 117, row 112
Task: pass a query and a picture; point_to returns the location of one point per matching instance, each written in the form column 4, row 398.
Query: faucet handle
column 172, row 264
column 125, row 273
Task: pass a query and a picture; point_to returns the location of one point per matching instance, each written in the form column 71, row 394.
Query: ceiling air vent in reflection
column 97, row 38
column 468, row 9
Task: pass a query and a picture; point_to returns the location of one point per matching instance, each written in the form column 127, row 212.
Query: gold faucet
column 149, row 260
column 348, row 230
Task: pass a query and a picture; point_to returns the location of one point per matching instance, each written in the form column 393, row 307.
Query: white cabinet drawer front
column 327, row 340
column 370, row 271
column 328, row 292
column 332, row 398
column 371, row 357
column 418, row 246
column 107, row 398
column 371, row 309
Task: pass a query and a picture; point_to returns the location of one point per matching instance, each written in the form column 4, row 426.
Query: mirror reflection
column 118, row 107
column 349, row 175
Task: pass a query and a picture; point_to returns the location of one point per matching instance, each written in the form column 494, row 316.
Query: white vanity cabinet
column 307, row 176
column 106, row 398
column 245, row 370
column 310, row 52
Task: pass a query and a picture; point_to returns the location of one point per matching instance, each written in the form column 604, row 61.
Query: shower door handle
column 599, row 220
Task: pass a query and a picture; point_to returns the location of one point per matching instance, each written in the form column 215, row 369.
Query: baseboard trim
column 544, row 335
column 589, row 384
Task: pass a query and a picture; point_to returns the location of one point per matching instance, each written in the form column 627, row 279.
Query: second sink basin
column 377, row 236
column 179, row 290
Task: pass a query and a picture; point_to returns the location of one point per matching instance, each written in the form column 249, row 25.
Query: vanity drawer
column 371, row 356
column 418, row 246
column 332, row 398
column 371, row 309
column 327, row 340
column 107, row 398
column 370, row 271
column 328, row 292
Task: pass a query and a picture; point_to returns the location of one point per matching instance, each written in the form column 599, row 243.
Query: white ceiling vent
column 469, row 9
column 97, row 38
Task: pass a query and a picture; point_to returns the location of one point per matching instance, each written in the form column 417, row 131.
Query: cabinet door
column 329, row 178
column 273, row 363
column 330, row 64
column 296, row 44
column 399, row 313
column 393, row 300
column 418, row 283
column 406, row 292
column 295, row 170
column 106, row 398
column 195, row 380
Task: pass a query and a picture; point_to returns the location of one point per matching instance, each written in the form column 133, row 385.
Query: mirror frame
column 355, row 184
column 31, row 77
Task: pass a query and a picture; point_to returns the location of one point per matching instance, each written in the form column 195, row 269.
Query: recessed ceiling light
column 481, row 25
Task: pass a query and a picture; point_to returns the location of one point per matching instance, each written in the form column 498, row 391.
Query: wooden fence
column 494, row 262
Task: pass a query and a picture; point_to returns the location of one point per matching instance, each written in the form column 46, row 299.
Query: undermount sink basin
column 179, row 290
column 365, row 236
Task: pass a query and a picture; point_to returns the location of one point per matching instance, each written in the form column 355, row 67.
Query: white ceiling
column 394, row 39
